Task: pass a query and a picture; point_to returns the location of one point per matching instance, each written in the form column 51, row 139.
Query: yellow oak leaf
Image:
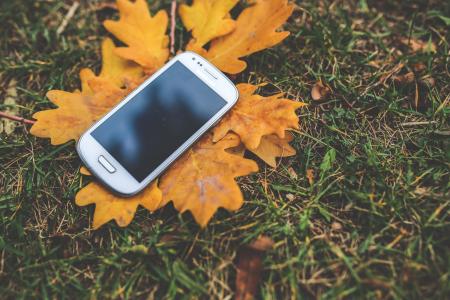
column 116, row 69
column 203, row 179
column 255, row 30
column 78, row 110
column 255, row 116
column 111, row 207
column 85, row 171
column 207, row 19
column 145, row 35
column 86, row 75
column 271, row 147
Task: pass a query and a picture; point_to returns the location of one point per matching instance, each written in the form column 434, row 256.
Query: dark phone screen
column 158, row 120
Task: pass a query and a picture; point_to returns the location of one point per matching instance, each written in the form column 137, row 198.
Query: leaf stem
column 173, row 10
column 16, row 118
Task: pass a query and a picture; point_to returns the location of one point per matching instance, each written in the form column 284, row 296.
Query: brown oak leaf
column 255, row 116
column 203, row 179
column 320, row 91
column 76, row 112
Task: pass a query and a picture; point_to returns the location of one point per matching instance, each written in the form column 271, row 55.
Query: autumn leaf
column 272, row 146
column 417, row 45
column 85, row 171
column 207, row 19
column 320, row 91
column 86, row 75
column 255, row 30
column 111, row 207
column 145, row 35
column 115, row 69
column 403, row 79
column 249, row 267
column 203, row 179
column 78, row 110
column 310, row 176
column 255, row 116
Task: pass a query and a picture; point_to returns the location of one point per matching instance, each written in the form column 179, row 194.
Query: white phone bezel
column 123, row 182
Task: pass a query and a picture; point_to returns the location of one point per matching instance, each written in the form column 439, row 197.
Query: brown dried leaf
column 418, row 67
column 404, row 78
column 428, row 81
column 292, row 173
column 310, row 176
column 320, row 91
column 249, row 267
column 290, row 197
column 417, row 45
column 336, row 226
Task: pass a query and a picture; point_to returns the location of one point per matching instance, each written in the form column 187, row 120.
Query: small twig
column 16, row 118
column 67, row 18
column 173, row 10
column 418, row 123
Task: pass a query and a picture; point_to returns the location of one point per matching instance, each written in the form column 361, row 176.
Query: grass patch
column 372, row 222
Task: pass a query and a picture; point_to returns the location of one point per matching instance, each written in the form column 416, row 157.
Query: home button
column 106, row 164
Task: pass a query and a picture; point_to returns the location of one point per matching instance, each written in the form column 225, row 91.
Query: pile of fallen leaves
column 203, row 179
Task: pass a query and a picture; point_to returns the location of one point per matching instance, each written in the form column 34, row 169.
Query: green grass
column 374, row 224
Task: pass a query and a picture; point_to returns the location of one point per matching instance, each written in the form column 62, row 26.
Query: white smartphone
column 139, row 138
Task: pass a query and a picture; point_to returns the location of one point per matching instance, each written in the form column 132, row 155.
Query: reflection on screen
column 158, row 120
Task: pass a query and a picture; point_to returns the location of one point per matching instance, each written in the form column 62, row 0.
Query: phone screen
column 158, row 120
